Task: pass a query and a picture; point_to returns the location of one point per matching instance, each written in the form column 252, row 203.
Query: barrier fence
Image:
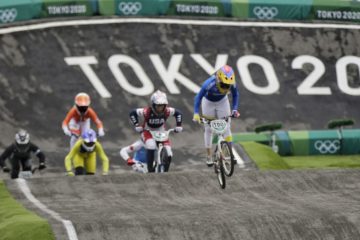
column 346, row 10
column 304, row 143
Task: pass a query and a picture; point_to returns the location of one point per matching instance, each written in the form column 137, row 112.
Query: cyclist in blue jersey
column 214, row 101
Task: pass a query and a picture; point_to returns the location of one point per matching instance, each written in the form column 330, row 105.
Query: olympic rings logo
column 327, row 146
column 265, row 12
column 8, row 15
column 130, row 8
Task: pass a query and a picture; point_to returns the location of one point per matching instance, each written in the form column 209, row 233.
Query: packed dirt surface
column 190, row 205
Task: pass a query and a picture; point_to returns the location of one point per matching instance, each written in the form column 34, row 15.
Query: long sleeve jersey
column 21, row 153
column 210, row 91
column 154, row 120
column 90, row 113
column 78, row 149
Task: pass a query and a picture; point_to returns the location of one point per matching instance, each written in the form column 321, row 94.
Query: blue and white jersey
column 210, row 91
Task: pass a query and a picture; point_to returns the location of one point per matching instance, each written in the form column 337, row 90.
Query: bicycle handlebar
column 208, row 120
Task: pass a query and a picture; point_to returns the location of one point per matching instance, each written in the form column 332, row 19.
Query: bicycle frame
column 160, row 137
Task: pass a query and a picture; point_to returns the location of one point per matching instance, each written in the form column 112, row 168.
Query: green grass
column 331, row 161
column 266, row 159
column 18, row 223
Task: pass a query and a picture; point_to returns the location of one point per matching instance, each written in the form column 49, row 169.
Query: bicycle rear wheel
column 228, row 158
column 220, row 172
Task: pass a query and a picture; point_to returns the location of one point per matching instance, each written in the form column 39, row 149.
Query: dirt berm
column 190, row 205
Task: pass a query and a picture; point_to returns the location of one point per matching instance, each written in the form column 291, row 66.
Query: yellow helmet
column 225, row 78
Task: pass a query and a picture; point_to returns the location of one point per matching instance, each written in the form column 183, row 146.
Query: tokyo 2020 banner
column 11, row 11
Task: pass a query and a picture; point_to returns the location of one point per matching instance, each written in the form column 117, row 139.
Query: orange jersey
column 90, row 113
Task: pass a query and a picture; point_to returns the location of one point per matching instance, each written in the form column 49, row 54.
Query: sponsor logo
column 265, row 12
column 197, row 9
column 66, row 9
column 8, row 15
column 338, row 15
column 130, row 8
column 327, row 146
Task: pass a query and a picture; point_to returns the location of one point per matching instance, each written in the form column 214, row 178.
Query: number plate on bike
column 160, row 136
column 219, row 126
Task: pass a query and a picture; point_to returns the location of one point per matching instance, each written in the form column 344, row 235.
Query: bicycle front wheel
column 164, row 160
column 219, row 169
column 228, row 158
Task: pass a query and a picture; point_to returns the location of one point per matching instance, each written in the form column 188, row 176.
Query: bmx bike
column 222, row 155
column 162, row 159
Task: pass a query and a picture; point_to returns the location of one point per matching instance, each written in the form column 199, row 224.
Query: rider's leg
column 150, row 145
column 125, row 151
column 208, row 110
column 15, row 168
column 78, row 162
column 223, row 110
column 74, row 127
column 84, row 125
column 26, row 164
column 73, row 140
column 90, row 164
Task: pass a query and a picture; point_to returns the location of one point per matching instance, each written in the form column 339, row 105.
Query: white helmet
column 22, row 137
column 158, row 98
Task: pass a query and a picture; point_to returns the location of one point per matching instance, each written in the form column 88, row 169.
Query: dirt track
column 190, row 205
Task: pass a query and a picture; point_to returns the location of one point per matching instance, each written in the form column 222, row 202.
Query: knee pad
column 79, row 171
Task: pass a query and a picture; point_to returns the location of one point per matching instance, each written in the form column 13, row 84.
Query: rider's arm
column 69, row 116
column 71, row 154
column 134, row 115
column 94, row 118
column 235, row 97
column 177, row 114
column 102, row 155
column 36, row 150
column 7, row 153
column 203, row 90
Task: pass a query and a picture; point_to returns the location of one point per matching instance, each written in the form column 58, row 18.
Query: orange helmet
column 82, row 102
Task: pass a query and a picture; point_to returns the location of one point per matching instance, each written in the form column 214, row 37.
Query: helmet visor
column 225, row 86
column 82, row 109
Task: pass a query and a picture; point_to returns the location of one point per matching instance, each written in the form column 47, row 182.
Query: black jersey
column 19, row 152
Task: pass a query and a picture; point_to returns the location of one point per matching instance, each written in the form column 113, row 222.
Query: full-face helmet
column 22, row 139
column 89, row 140
column 159, row 102
column 225, row 78
column 82, row 102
